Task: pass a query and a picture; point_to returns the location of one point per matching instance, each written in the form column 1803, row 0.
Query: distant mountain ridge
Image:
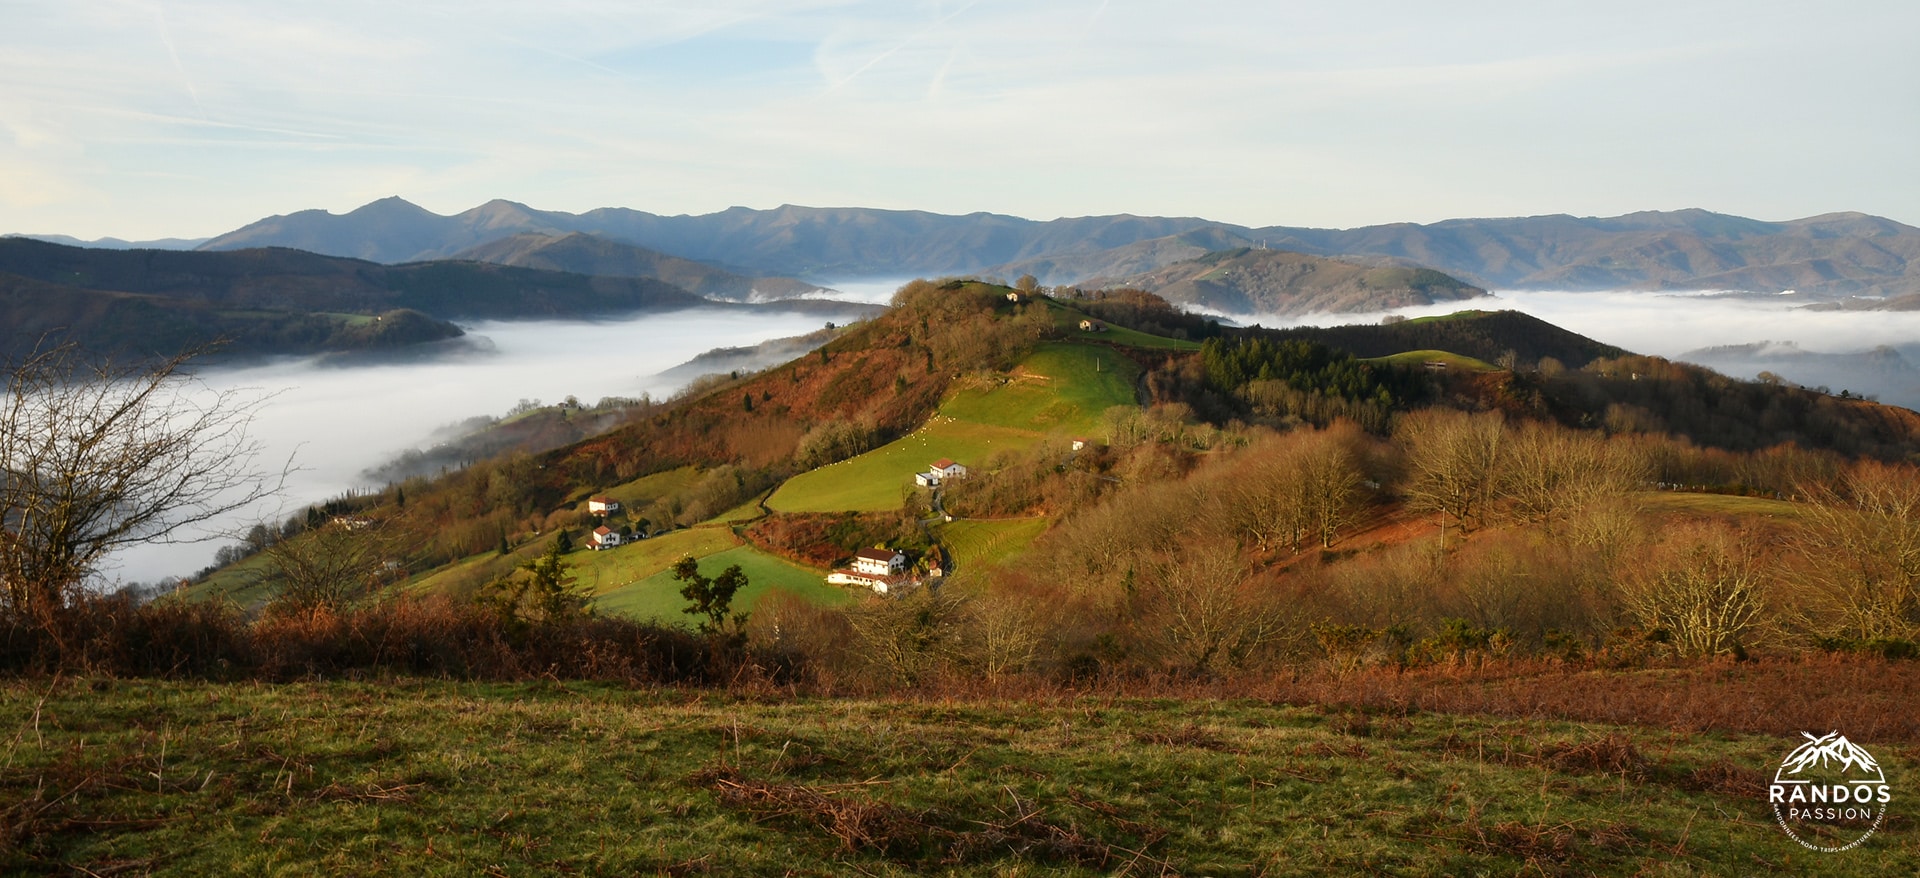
column 581, row 253
column 118, row 243
column 1825, row 256
column 1279, row 282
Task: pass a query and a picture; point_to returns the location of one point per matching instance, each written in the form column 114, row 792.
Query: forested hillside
column 1261, row 281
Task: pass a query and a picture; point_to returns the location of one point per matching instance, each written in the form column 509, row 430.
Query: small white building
column 880, row 562
column 926, row 480
column 603, row 537
column 947, row 469
column 1079, row 444
column 879, row 569
column 602, row 505
column 1092, row 326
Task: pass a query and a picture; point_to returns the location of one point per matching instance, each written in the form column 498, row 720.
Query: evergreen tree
column 712, row 598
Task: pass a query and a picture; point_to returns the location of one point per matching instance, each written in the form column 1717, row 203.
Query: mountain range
column 1250, row 281
column 1826, row 256
column 581, row 253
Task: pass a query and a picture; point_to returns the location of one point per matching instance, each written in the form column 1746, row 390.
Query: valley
column 1150, row 533
column 962, row 439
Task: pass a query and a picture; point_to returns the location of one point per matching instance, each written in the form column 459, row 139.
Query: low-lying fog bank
column 334, row 421
column 1808, row 346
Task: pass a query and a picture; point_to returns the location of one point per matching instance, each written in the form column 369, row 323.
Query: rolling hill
column 1250, row 281
column 158, row 301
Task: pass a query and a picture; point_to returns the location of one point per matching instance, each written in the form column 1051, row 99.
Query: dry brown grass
column 863, row 823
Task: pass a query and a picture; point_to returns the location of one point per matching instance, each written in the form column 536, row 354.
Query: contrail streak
column 166, row 37
column 903, row 44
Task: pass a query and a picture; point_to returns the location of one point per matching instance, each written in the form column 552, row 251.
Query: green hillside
column 1421, row 358
column 1058, row 391
column 1061, row 386
column 657, row 597
column 875, row 480
column 979, row 543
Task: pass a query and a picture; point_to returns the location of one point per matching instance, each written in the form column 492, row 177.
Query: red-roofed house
column 603, row 537
column 602, row 505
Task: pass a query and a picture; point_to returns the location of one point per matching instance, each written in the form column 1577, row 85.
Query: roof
column 602, row 498
column 603, row 530
column 942, row 463
column 876, row 554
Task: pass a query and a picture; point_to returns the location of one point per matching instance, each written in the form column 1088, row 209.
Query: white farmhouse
column 880, row 562
column 878, row 569
column 602, row 505
column 603, row 537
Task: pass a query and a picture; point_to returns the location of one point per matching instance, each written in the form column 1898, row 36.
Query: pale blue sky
column 145, row 119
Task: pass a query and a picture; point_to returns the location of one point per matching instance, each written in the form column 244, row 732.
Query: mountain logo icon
column 1829, row 794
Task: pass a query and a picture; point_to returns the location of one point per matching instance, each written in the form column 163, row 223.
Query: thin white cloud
column 1327, row 114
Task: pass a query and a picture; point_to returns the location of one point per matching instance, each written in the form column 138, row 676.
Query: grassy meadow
column 657, row 596
column 982, row 543
column 1059, row 390
column 414, row 777
column 1421, row 358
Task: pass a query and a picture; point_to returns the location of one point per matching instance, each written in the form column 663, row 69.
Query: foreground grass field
column 413, row 777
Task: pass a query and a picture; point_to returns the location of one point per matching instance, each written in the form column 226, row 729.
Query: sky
column 153, row 118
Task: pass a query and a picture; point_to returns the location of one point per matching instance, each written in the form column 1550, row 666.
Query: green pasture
column 874, row 481
column 611, row 569
column 240, row 583
column 635, row 495
column 977, row 543
column 1421, row 358
column 1059, row 388
column 658, row 596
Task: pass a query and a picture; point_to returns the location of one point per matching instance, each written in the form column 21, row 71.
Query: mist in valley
column 331, row 420
column 1864, row 352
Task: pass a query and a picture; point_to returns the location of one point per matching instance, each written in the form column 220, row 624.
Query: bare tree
column 1453, row 461
column 335, row 564
column 1330, row 481
column 95, row 457
column 1706, row 587
column 1196, row 613
column 1550, row 473
column 1862, row 542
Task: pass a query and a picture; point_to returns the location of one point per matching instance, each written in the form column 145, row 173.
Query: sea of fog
column 1668, row 324
column 1813, row 348
column 333, row 421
